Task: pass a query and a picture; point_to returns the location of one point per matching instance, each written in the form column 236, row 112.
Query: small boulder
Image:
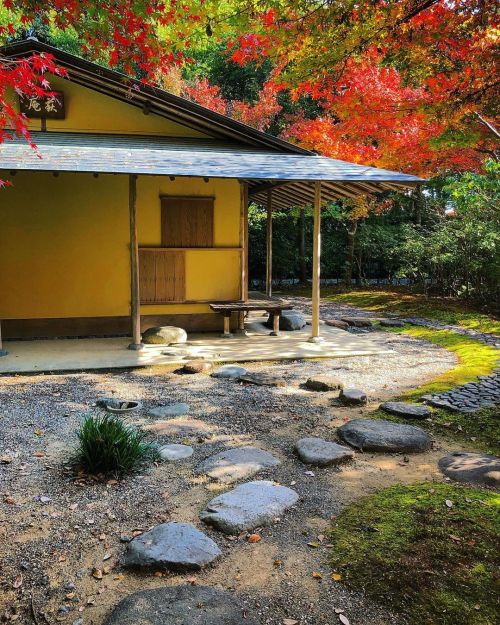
column 392, row 323
column 290, row 320
column 197, row 366
column 262, row 379
column 164, row 335
column 229, row 372
column 171, row 453
column 174, row 546
column 236, row 464
column 352, row 397
column 473, row 468
column 358, row 322
column 337, row 323
column 384, row 436
column 322, row 453
column 406, row 410
column 170, row 410
column 323, row 383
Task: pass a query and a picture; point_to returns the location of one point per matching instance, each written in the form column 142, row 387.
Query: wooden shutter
column 162, row 276
column 187, row 221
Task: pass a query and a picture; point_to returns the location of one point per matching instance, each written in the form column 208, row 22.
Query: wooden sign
column 51, row 107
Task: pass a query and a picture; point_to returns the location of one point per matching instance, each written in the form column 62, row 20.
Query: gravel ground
column 55, row 526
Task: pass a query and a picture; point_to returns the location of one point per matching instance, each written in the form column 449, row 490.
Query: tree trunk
column 418, row 202
column 352, row 227
column 302, row 247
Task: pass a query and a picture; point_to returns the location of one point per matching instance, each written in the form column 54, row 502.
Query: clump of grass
column 108, row 445
column 427, row 550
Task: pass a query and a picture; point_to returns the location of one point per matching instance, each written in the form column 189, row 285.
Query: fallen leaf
column 449, row 503
column 39, row 454
column 38, row 432
column 314, row 545
column 106, row 556
column 73, row 506
column 6, row 459
column 18, row 582
column 254, row 538
column 317, row 575
column 338, row 610
column 102, row 536
column 44, row 499
column 344, row 620
column 96, row 573
column 9, row 500
column 336, row 577
column 455, row 538
column 290, row 621
column 321, row 538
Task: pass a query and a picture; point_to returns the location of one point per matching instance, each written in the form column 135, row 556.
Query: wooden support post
column 276, row 324
column 227, row 325
column 3, row 352
column 135, row 300
column 269, row 244
column 315, row 337
column 244, row 239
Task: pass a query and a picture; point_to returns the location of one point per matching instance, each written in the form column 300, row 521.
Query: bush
column 107, row 445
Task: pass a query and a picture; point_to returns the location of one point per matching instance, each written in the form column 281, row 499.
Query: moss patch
column 436, row 564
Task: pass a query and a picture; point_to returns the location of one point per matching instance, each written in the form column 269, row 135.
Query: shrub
column 108, row 445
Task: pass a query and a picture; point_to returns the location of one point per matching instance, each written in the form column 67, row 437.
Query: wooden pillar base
column 276, row 325
column 315, row 339
column 227, row 327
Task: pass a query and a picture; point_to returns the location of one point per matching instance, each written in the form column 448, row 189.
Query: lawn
column 426, row 550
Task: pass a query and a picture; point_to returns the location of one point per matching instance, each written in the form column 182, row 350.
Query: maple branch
column 488, row 125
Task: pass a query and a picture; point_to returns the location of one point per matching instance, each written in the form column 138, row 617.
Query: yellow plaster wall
column 64, row 244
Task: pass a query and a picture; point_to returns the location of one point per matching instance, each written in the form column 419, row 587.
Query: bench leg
column 276, row 324
column 227, row 326
column 241, row 323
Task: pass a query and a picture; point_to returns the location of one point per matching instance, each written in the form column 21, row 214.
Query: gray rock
column 164, row 335
column 406, row 410
column 230, row 372
column 478, row 469
column 383, row 436
column 290, row 320
column 322, row 453
column 181, row 605
column 171, row 453
column 358, row 322
column 323, row 383
column 263, row 379
column 175, row 546
column 197, row 366
column 337, row 323
column 248, row 506
column 170, row 410
column 236, row 464
column 118, row 406
column 392, row 323
column 352, row 397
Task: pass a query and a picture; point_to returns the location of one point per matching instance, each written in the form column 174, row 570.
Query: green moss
column 406, row 548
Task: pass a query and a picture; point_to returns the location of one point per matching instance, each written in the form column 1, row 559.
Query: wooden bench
column 255, row 302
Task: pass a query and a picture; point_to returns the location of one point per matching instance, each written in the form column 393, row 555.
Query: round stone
column 236, row 464
column 323, row 383
column 179, row 605
column 406, row 410
column 170, row 410
column 473, row 468
column 197, row 366
column 337, row 323
column 230, row 372
column 352, row 397
column 171, row 453
column 174, row 546
column 322, row 453
column 164, row 335
column 290, row 320
column 384, row 436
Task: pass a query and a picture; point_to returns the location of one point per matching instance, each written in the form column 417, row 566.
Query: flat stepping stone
column 229, row 372
column 337, row 323
column 180, row 426
column 392, row 323
column 322, row 453
column 171, row 453
column 171, row 410
column 384, row 436
column 352, row 397
column 323, row 383
column 358, row 322
column 251, row 505
column 473, row 468
column 174, row 546
column 236, row 464
column 181, row 605
column 197, row 366
column 164, row 335
column 263, row 379
column 406, row 410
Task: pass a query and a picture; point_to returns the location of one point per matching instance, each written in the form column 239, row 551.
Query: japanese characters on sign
column 51, row 107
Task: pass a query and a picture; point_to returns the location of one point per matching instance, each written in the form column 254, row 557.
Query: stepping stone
column 263, row 379
column 236, row 464
column 322, row 453
column 171, row 410
column 230, row 372
column 181, row 605
column 406, row 410
column 392, row 323
column 251, row 505
column 337, row 323
column 164, row 335
column 358, row 322
column 352, row 397
column 384, row 436
column 323, row 383
column 197, row 366
column 478, row 469
column 171, row 453
column 181, row 426
column 174, row 546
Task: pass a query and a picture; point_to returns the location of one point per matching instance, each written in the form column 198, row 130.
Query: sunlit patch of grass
column 427, row 550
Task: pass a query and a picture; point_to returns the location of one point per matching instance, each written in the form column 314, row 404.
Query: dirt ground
column 54, row 528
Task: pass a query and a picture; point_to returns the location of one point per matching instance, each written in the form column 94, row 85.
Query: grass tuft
column 436, row 563
column 108, row 445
